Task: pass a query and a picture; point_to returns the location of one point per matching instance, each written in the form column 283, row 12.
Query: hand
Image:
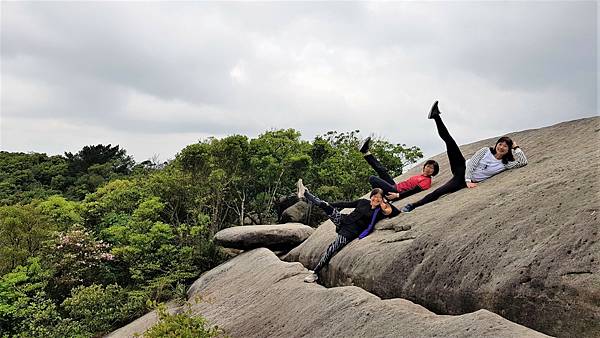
column 471, row 185
column 392, row 195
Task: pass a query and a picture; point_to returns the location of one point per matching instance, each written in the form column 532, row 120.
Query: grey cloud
column 311, row 66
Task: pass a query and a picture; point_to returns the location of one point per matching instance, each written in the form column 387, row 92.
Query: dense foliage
column 27, row 176
column 90, row 241
column 181, row 325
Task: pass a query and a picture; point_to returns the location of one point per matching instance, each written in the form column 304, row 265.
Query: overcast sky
column 155, row 77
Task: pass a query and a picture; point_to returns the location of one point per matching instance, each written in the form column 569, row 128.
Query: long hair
column 508, row 157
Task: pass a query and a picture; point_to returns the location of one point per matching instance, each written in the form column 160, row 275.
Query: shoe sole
column 300, row 190
column 431, row 111
column 364, row 143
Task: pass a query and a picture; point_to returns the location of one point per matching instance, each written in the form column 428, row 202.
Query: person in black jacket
column 359, row 223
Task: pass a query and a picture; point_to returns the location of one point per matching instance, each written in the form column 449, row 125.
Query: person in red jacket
column 393, row 190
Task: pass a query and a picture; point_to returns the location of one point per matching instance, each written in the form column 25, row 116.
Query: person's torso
column 413, row 181
column 359, row 219
column 487, row 167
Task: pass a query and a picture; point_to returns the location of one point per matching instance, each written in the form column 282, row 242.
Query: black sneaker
column 363, row 146
column 434, row 111
column 407, row 208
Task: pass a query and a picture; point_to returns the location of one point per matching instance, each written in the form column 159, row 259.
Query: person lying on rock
column 359, row 223
column 395, row 191
column 485, row 163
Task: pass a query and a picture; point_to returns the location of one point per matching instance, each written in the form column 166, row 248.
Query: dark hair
column 376, row 191
column 508, row 157
column 436, row 166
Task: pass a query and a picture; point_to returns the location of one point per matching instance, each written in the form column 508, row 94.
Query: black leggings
column 384, row 181
column 334, row 214
column 457, row 166
column 335, row 247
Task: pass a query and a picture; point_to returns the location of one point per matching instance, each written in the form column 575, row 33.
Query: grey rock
column 275, row 237
column 303, row 212
column 523, row 244
column 140, row 325
column 297, row 212
column 257, row 295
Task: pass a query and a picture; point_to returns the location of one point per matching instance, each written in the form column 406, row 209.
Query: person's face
column 428, row 170
column 376, row 201
column 502, row 149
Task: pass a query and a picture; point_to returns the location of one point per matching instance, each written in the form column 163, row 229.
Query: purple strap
column 370, row 227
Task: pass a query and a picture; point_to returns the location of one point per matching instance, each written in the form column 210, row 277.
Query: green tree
column 339, row 171
column 25, row 177
column 77, row 258
column 22, row 230
column 62, row 212
column 278, row 159
column 25, row 308
column 219, row 169
column 113, row 202
column 99, row 308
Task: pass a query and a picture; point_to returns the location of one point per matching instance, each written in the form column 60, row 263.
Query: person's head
column 503, row 148
column 431, row 168
column 376, row 197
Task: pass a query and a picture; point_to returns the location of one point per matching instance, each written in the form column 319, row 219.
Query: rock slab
column 275, row 237
column 524, row 244
column 257, row 295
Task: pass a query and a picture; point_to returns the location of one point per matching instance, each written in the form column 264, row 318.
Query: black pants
column 332, row 250
column 334, row 214
column 384, row 181
column 457, row 166
column 336, row 217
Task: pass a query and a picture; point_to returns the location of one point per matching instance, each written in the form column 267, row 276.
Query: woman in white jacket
column 485, row 163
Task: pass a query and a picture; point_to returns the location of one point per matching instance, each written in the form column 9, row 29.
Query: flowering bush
column 78, row 259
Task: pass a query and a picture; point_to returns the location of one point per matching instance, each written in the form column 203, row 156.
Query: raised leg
column 455, row 184
column 455, row 157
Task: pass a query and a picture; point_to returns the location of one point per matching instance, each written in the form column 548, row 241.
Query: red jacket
column 418, row 180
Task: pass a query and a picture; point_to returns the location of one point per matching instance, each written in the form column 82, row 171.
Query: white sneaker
column 301, row 188
column 311, row 278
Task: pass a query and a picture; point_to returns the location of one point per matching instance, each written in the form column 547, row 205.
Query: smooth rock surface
column 145, row 322
column 257, row 295
column 275, row 237
column 523, row 244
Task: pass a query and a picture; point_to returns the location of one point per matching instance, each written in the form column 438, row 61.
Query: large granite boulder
column 257, row 295
column 523, row 244
column 303, row 212
column 275, row 237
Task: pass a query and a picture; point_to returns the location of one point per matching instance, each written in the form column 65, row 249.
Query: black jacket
column 358, row 220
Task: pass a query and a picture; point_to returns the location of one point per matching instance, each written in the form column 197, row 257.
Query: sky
column 154, row 77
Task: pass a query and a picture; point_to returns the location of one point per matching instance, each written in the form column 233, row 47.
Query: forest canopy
column 92, row 240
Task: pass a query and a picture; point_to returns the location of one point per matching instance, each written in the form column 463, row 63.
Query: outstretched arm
column 342, row 205
column 394, row 196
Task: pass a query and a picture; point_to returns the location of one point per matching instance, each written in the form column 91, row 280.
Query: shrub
column 182, row 325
